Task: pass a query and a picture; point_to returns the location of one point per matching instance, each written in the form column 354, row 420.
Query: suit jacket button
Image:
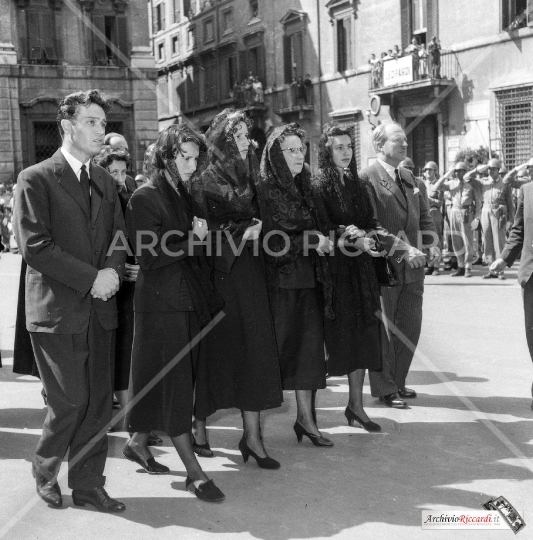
column 157, row 293
column 97, row 253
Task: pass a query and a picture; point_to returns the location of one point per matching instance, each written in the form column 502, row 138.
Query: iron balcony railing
column 422, row 70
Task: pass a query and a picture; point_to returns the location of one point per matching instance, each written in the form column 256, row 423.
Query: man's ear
column 66, row 125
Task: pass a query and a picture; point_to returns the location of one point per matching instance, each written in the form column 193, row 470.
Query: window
column 42, row 46
column 159, row 17
column 177, row 10
column 193, row 88
column 161, row 52
column 176, row 49
column 514, row 110
column 253, row 58
column 344, row 44
column 294, row 23
column 46, row 140
column 227, row 21
column 254, row 8
column 419, row 18
column 210, row 80
column 190, row 38
column 516, row 14
column 294, row 56
column 209, row 31
column 110, row 40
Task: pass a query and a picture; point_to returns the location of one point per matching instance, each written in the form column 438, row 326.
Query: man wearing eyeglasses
column 497, row 210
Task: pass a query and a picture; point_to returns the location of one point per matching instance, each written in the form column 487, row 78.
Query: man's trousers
column 402, row 305
column 75, row 372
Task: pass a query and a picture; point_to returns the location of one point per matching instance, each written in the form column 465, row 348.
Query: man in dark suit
column 401, row 207
column 66, row 215
column 520, row 243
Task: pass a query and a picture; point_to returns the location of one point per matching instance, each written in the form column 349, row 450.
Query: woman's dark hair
column 291, row 130
column 108, row 155
column 234, row 117
column 325, row 154
column 169, row 143
column 69, row 105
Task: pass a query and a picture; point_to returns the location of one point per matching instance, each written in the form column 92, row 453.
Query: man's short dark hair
column 69, row 105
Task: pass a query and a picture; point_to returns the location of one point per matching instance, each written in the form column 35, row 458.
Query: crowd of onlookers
column 426, row 60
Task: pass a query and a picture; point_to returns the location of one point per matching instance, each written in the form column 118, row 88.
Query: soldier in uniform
column 466, row 206
column 496, row 212
column 436, row 199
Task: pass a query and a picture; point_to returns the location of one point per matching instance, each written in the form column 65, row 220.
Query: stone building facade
column 50, row 48
column 480, row 95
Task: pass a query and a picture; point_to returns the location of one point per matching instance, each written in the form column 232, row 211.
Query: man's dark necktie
column 85, row 185
column 399, row 181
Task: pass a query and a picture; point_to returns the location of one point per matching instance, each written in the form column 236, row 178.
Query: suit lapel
column 388, row 183
column 68, row 180
column 97, row 192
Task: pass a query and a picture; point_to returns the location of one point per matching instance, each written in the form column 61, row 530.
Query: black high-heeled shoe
column 263, row 462
column 202, row 450
column 150, row 465
column 370, row 426
column 315, row 439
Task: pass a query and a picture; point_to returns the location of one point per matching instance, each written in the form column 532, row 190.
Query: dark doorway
column 423, row 142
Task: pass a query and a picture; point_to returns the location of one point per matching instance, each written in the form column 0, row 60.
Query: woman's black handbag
column 385, row 271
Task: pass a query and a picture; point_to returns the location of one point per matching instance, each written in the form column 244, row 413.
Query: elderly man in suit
column 401, row 206
column 67, row 215
column 520, row 243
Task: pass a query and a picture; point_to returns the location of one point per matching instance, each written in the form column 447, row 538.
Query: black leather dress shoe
column 392, row 400
column 99, row 498
column 406, row 393
column 48, row 491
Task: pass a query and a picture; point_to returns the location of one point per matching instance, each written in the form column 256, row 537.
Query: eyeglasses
column 294, row 151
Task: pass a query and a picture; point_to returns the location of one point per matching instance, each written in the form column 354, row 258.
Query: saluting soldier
column 497, row 211
column 466, row 206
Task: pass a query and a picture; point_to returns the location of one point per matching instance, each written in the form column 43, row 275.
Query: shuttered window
column 294, row 56
column 344, row 44
column 42, row 37
column 110, row 40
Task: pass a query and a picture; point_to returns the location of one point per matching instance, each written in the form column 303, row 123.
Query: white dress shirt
column 75, row 164
column 389, row 168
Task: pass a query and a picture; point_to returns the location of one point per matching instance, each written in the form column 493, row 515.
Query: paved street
column 466, row 438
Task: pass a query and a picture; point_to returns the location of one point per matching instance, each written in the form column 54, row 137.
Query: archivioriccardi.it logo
column 497, row 513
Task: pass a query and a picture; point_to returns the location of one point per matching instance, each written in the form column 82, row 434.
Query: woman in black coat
column 354, row 337
column 243, row 369
column 298, row 273
column 174, row 300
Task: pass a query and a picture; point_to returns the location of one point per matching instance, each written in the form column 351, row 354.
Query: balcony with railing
column 411, row 73
column 294, row 98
